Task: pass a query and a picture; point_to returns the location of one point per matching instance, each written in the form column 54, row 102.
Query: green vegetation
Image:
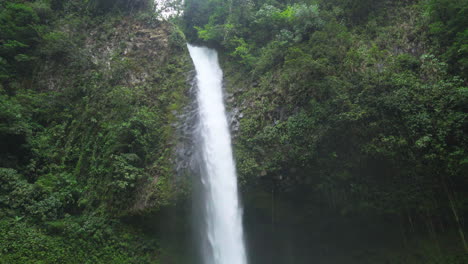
column 88, row 97
column 354, row 108
column 72, row 240
column 352, row 145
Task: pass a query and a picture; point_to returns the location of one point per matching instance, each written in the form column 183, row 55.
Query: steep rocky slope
column 92, row 128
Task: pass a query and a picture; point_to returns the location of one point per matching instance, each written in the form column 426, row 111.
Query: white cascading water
column 223, row 234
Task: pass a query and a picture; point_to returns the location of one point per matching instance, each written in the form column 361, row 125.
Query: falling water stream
column 222, row 236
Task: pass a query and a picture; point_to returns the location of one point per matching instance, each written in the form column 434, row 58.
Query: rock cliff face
column 147, row 44
column 123, row 67
column 158, row 60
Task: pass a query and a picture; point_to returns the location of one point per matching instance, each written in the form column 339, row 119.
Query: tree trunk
column 273, row 209
column 410, row 220
column 432, row 231
column 455, row 215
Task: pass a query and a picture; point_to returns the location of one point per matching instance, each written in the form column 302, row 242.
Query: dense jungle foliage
column 88, row 94
column 352, row 145
column 353, row 113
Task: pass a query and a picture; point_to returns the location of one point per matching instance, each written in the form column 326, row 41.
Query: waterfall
column 222, row 239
